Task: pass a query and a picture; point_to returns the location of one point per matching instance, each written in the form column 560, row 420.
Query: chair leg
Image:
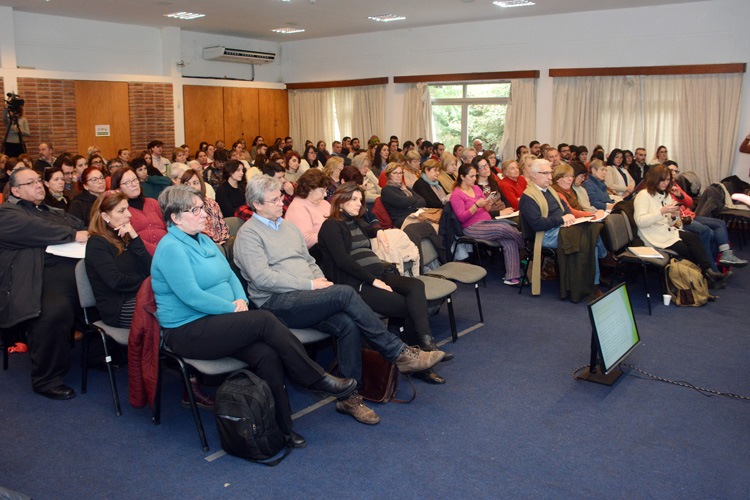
column 525, row 275
column 193, row 406
column 452, row 318
column 84, row 360
column 479, row 303
column 112, row 383
column 648, row 292
column 156, row 410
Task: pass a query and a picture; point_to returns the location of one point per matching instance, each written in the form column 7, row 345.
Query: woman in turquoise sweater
column 204, row 311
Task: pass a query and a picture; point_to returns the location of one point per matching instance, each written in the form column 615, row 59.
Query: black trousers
column 48, row 334
column 691, row 248
column 259, row 339
column 407, row 301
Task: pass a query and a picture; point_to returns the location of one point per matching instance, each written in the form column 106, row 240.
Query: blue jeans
column 713, row 234
column 339, row 311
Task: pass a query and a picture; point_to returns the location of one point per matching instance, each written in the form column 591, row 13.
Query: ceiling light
column 386, row 18
column 513, row 3
column 288, row 31
column 184, row 15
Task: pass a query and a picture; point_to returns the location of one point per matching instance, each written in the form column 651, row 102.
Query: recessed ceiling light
column 513, row 3
column 386, row 18
column 288, row 31
column 184, row 15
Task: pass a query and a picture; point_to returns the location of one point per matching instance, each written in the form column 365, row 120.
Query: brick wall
column 51, row 111
column 151, row 115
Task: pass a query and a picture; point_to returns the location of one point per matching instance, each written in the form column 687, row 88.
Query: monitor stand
column 600, row 377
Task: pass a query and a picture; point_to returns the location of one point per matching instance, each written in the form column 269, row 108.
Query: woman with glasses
column 399, row 200
column 146, row 216
column 470, row 206
column 91, row 184
column 230, row 195
column 562, row 181
column 203, row 310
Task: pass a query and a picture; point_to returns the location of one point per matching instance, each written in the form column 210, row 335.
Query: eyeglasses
column 398, row 172
column 273, row 201
column 131, row 182
column 96, row 162
column 545, row 172
column 34, row 182
column 195, row 210
column 95, row 179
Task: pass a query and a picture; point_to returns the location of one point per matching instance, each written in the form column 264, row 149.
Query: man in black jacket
column 40, row 287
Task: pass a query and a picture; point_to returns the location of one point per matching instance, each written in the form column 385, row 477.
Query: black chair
column 618, row 236
column 528, row 254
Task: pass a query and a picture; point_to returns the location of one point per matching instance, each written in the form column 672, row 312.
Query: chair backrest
column 429, row 254
column 617, row 232
column 233, row 225
column 85, row 292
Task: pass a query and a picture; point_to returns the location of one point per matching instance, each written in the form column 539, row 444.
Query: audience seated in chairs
column 204, row 310
column 348, row 259
column 513, row 184
column 284, row 279
column 549, row 220
column 428, row 186
column 470, row 206
column 658, row 219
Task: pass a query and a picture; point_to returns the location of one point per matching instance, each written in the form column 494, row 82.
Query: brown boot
column 413, row 359
column 202, row 400
column 354, row 406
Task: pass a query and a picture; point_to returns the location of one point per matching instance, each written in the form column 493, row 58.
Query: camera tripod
column 13, row 149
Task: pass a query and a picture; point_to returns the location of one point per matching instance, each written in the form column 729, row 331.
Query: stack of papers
column 645, row 252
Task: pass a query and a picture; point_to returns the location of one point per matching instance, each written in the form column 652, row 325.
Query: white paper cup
column 667, row 299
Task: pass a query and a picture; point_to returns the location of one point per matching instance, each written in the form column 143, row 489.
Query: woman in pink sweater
column 469, row 204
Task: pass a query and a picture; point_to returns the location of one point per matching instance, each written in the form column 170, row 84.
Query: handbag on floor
column 245, row 414
column 380, row 379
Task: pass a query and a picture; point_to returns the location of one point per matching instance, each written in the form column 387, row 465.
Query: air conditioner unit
column 219, row 53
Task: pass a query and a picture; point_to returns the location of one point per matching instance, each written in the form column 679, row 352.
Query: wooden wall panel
column 274, row 114
column 240, row 115
column 102, row 103
column 204, row 116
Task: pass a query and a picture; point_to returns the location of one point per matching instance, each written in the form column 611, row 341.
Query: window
column 464, row 112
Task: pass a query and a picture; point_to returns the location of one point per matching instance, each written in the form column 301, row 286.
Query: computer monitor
column 614, row 335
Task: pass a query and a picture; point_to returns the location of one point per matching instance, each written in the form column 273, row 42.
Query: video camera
column 14, row 103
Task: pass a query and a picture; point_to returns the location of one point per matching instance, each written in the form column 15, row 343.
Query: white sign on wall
column 102, row 130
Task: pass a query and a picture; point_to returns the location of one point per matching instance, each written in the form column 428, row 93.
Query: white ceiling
column 319, row 18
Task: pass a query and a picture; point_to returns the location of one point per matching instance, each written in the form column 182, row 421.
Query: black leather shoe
column 430, row 376
column 334, row 386
column 61, row 392
column 296, row 440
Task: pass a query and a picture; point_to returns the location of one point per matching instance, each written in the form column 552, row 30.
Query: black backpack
column 246, row 419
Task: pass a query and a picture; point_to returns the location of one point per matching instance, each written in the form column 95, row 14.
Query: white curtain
column 697, row 120
column 417, row 117
column 520, row 117
column 598, row 110
column 360, row 111
column 695, row 116
column 311, row 115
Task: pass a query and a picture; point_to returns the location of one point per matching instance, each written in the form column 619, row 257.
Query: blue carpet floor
column 511, row 421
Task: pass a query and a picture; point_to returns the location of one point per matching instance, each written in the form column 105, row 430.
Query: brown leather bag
column 380, row 379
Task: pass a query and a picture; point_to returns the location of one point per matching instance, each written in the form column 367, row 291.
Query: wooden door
column 274, row 114
column 103, row 106
column 204, row 114
column 240, row 115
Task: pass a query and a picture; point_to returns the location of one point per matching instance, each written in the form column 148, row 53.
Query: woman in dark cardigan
column 347, row 258
column 117, row 261
column 399, row 200
column 92, row 184
column 428, row 186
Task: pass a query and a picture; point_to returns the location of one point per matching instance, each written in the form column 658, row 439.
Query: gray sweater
column 273, row 261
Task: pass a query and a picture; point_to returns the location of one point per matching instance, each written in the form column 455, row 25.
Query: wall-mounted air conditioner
column 219, row 53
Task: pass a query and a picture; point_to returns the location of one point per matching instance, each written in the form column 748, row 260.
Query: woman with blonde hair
column 448, row 169
column 399, row 200
column 332, row 169
column 371, row 186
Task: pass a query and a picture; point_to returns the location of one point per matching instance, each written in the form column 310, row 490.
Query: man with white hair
column 478, row 146
column 548, row 220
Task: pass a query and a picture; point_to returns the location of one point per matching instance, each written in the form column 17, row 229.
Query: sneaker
column 512, row 282
column 728, row 258
column 413, row 359
column 354, row 406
